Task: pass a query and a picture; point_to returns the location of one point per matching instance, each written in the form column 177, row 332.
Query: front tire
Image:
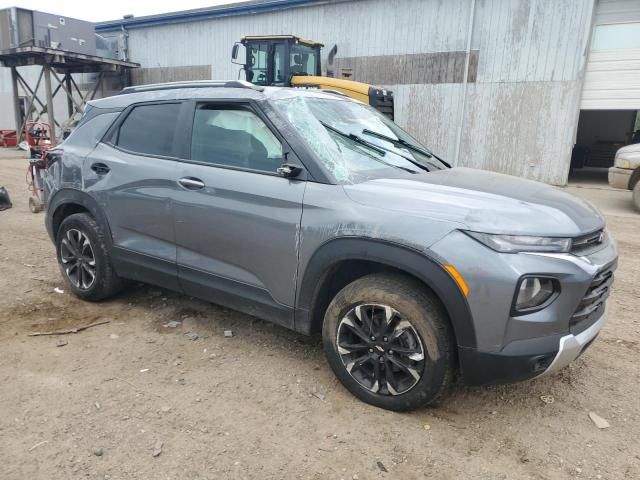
column 389, row 342
column 636, row 195
column 84, row 260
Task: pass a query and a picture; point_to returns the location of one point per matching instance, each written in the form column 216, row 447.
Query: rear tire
column 84, row 260
column 636, row 195
column 389, row 342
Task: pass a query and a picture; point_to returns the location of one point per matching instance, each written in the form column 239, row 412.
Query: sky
column 96, row 11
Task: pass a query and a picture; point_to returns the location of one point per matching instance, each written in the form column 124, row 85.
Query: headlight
column 533, row 292
column 522, row 243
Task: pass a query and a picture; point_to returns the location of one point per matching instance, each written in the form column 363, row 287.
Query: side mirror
column 288, row 171
column 234, row 51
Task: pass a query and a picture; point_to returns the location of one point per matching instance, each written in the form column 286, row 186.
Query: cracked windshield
column 354, row 141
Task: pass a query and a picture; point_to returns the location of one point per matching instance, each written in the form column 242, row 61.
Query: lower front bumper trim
column 571, row 346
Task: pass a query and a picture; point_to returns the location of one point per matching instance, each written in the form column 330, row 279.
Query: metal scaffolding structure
column 59, row 66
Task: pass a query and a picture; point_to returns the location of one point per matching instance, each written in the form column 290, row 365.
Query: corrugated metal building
column 517, row 108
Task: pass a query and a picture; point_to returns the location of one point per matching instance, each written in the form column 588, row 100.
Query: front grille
column 592, row 304
column 586, row 243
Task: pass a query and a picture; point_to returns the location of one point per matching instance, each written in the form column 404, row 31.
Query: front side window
column 234, row 137
column 353, row 140
column 149, row 129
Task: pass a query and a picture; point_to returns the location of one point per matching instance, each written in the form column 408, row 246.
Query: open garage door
column 612, row 80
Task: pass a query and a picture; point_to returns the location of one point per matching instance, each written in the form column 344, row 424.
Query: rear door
column 133, row 176
column 237, row 220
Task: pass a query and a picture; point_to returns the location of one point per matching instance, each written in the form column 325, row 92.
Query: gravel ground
column 263, row 404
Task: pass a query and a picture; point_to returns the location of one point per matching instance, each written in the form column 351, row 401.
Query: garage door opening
column 600, row 134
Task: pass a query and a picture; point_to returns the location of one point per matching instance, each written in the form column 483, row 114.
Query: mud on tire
column 389, row 342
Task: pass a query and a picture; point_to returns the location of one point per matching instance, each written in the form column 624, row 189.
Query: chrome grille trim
column 596, row 296
column 586, row 242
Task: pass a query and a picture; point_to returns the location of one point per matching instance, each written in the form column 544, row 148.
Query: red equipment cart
column 38, row 137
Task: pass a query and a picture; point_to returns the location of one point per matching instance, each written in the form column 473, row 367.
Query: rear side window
column 149, row 129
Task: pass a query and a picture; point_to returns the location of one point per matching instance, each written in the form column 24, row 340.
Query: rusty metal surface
column 143, row 76
column 415, row 68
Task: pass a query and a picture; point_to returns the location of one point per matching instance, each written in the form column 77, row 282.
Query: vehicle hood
column 628, row 157
column 482, row 201
column 633, row 148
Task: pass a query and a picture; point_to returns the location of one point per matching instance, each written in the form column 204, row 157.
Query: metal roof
column 62, row 60
column 241, row 8
column 312, row 43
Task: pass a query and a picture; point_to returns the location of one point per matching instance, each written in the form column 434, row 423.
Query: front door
column 237, row 221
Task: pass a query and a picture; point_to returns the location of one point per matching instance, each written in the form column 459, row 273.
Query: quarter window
column 149, row 129
column 234, row 137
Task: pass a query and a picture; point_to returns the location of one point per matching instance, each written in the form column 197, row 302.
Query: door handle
column 100, row 168
column 191, row 183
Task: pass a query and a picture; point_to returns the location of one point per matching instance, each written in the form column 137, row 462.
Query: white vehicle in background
column 625, row 172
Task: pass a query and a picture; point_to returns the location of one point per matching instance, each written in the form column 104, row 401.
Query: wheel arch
column 340, row 261
column 69, row 201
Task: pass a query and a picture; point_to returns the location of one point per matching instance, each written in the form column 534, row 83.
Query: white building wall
column 520, row 113
column 612, row 80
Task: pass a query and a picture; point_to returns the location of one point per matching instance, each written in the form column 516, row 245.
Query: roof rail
column 192, row 84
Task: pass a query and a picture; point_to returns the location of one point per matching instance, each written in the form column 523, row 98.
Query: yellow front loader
column 287, row 60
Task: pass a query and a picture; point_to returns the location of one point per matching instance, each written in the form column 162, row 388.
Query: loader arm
column 377, row 97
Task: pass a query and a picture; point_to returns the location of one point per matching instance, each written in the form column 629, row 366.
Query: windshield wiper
column 404, row 143
column 381, row 151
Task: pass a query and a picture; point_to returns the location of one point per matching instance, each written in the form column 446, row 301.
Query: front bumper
column 526, row 359
column 571, row 346
column 510, row 347
column 620, row 177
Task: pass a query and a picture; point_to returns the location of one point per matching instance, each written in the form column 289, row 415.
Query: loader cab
column 274, row 59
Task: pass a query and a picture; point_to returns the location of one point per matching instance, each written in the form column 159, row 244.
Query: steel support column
column 16, row 102
column 67, row 81
column 47, row 88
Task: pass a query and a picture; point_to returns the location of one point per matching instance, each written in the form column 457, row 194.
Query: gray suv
column 314, row 211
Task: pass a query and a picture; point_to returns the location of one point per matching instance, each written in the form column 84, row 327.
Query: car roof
column 205, row 90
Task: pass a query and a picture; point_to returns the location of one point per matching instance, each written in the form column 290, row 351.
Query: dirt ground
column 263, row 404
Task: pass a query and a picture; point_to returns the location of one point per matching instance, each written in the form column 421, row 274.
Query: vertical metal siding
column 520, row 114
column 612, row 80
column 617, row 11
column 522, row 111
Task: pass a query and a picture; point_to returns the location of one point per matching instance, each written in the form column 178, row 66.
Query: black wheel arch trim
column 411, row 261
column 68, row 196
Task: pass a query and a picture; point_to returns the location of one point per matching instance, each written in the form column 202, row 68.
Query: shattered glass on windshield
column 353, row 140
column 318, row 137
